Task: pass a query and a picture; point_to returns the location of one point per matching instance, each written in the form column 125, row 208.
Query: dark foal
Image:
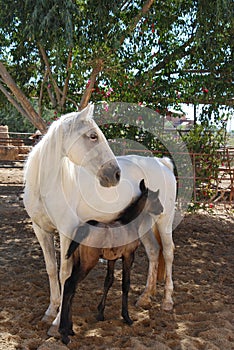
column 95, row 237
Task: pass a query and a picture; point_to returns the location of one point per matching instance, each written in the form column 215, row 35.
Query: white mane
column 48, row 150
column 43, row 149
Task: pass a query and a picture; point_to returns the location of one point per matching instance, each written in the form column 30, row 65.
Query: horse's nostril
column 117, row 175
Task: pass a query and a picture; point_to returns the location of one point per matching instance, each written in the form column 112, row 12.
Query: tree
column 64, row 53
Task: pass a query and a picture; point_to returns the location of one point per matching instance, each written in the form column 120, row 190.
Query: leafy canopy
column 62, row 53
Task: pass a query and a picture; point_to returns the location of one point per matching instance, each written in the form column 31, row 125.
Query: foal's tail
column 82, row 232
column 73, row 246
column 161, row 262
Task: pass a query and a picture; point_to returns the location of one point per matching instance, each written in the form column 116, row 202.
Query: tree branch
column 41, row 93
column 178, row 53
column 14, row 102
column 60, row 101
column 65, row 87
column 136, row 19
column 97, row 68
column 32, row 115
column 47, row 64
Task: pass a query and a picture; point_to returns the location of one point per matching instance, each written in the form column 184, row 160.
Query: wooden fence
column 212, row 178
column 14, row 146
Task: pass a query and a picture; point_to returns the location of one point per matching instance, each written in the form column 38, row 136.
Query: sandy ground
column 202, row 318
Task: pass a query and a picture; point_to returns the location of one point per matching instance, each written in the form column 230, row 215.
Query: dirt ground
column 202, row 318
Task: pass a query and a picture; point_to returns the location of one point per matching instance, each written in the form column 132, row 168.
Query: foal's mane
column 125, row 217
column 132, row 211
column 135, row 208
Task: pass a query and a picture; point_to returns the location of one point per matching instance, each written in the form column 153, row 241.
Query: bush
column 203, row 143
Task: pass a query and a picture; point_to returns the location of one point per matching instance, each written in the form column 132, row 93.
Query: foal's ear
column 87, row 112
column 157, row 193
column 142, row 186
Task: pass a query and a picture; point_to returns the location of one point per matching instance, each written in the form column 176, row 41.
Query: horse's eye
column 93, row 136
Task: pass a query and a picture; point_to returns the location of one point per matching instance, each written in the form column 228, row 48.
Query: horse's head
column 86, row 146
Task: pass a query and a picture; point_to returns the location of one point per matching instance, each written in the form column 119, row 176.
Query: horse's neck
column 50, row 156
column 56, row 195
column 43, row 169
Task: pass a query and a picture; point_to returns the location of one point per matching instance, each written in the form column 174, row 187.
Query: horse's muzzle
column 109, row 174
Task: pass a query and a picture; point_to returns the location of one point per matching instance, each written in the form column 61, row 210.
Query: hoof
column 53, row 332
column 144, row 302
column 65, row 339
column 65, row 335
column 100, row 317
column 71, row 332
column 167, row 306
column 128, row 321
column 48, row 318
column 126, row 318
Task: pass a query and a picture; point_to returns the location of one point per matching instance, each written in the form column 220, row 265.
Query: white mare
column 72, row 176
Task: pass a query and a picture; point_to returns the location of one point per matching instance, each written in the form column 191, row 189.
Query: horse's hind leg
column 107, row 285
column 152, row 250
column 46, row 240
column 168, row 253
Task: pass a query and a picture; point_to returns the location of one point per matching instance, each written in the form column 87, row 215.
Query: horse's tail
column 161, row 262
column 167, row 162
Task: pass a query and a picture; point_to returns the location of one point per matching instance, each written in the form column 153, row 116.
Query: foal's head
column 135, row 208
column 153, row 205
column 148, row 202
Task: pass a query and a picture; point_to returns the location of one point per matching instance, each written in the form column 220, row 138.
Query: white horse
column 72, row 176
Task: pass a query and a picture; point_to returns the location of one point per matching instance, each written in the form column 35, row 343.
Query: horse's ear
column 157, row 193
column 142, row 186
column 87, row 112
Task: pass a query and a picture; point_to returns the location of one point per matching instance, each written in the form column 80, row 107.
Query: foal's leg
column 152, row 250
column 65, row 327
column 107, row 285
column 88, row 258
column 46, row 240
column 127, row 264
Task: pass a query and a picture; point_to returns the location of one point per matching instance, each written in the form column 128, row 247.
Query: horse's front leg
column 64, row 274
column 46, row 240
column 152, row 250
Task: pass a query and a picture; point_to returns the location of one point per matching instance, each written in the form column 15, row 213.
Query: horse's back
column 158, row 172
